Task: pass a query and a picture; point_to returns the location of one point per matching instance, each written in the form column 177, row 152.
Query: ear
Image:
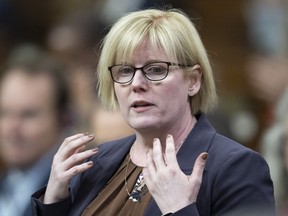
column 194, row 79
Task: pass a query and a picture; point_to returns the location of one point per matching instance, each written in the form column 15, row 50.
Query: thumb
column 198, row 168
column 195, row 179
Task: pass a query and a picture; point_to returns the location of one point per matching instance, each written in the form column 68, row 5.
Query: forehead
column 144, row 52
column 26, row 90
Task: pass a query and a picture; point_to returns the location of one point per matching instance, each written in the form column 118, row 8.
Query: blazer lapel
column 198, row 141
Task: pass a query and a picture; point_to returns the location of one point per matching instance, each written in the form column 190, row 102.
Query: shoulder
column 224, row 151
column 238, row 177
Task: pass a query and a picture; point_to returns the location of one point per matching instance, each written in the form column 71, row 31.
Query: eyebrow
column 147, row 62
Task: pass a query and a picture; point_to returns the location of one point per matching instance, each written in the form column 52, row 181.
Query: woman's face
column 149, row 105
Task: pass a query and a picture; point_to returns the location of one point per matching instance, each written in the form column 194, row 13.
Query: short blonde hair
column 170, row 29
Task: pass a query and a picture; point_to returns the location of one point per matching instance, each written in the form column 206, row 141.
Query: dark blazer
column 236, row 180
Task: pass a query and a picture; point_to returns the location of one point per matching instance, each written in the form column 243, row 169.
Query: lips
column 139, row 104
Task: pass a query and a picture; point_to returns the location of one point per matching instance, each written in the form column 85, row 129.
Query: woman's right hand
column 68, row 162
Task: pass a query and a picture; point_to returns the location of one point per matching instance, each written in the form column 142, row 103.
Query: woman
column 154, row 68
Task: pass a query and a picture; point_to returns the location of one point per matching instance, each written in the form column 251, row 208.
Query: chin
column 21, row 164
column 145, row 125
column 17, row 160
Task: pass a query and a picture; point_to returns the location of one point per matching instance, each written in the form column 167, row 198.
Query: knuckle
column 55, row 158
column 74, row 157
column 70, row 147
column 83, row 139
column 54, row 166
column 66, row 140
column 172, row 171
column 157, row 154
column 74, row 170
column 196, row 180
column 170, row 149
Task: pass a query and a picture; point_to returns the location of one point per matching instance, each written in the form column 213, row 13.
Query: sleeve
column 188, row 210
column 243, row 186
column 55, row 209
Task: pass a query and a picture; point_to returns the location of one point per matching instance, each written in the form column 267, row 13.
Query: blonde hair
column 170, row 29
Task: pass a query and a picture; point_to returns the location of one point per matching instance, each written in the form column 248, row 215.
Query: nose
column 139, row 81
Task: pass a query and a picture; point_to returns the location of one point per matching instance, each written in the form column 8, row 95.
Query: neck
column 144, row 142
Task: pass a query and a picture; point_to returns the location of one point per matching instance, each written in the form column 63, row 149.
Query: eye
column 3, row 113
column 156, row 69
column 125, row 70
column 30, row 114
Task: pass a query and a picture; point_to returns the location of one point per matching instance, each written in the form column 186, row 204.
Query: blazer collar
column 198, row 141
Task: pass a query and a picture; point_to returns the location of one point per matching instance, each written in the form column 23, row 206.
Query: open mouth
column 141, row 104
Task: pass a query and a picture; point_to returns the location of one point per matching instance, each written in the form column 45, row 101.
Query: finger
column 80, row 149
column 69, row 139
column 198, row 167
column 157, row 154
column 150, row 165
column 170, row 152
column 78, row 169
column 72, row 145
column 78, row 158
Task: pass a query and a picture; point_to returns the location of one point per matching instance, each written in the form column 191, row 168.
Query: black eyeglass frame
column 143, row 72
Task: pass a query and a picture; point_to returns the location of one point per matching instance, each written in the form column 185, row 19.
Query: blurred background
column 247, row 41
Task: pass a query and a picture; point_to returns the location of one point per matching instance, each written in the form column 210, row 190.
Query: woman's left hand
column 169, row 186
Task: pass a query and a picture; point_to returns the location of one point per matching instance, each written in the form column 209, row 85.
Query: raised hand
column 68, row 162
column 168, row 185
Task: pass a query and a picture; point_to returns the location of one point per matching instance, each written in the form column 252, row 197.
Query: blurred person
column 73, row 40
column 272, row 148
column 267, row 26
column 108, row 13
column 154, row 68
column 267, row 67
column 268, row 77
column 284, row 204
column 34, row 115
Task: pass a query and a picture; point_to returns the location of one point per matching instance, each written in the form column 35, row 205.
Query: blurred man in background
column 33, row 117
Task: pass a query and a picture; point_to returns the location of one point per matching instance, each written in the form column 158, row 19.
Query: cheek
column 121, row 96
column 47, row 127
column 177, row 93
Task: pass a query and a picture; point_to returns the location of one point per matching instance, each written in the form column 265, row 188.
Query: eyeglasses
column 154, row 71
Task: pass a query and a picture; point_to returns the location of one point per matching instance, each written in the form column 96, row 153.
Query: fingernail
column 95, row 149
column 90, row 163
column 204, row 156
column 89, row 135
